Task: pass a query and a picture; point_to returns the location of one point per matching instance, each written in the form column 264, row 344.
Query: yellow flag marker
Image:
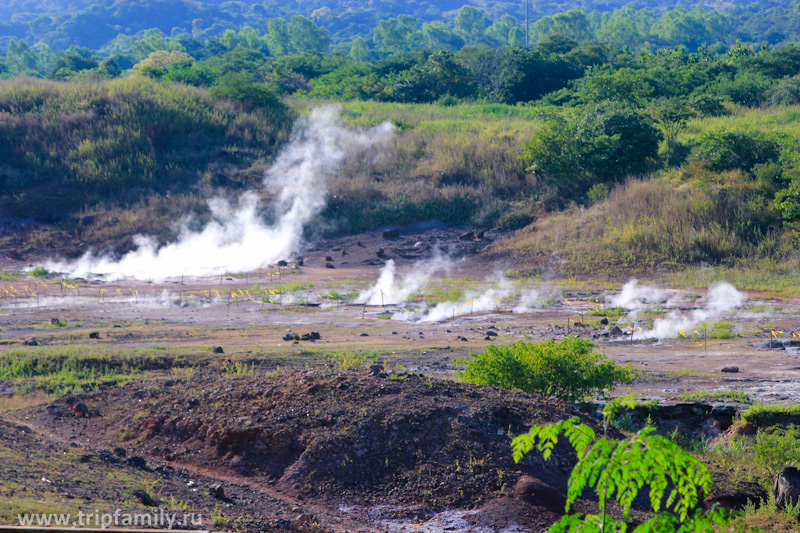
column 682, row 333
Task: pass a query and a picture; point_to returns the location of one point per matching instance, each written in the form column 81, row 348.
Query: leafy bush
column 787, row 92
column 570, row 369
column 746, row 89
column 604, row 142
column 731, row 150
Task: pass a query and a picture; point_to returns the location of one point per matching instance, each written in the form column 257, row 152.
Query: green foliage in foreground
column 618, row 470
column 570, row 369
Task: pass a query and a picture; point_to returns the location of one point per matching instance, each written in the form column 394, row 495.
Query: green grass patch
column 717, row 395
column 39, row 272
column 766, row 414
column 79, row 367
column 7, row 276
column 609, row 312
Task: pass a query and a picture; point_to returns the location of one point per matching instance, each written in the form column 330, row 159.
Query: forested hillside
column 387, row 27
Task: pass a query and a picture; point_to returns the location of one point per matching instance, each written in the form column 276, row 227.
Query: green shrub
column 570, row 369
column 731, row 150
column 776, row 448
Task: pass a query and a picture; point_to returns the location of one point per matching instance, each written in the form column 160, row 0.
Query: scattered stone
column 488, row 338
column 137, row 462
column 55, row 322
column 364, row 335
column 730, row 369
column 13, row 254
column 316, row 335
column 375, row 369
column 491, row 333
column 54, row 410
column 31, row 341
column 291, row 337
column 615, row 331
column 304, row 520
column 144, row 498
column 328, row 258
column 480, row 234
column 344, row 253
column 282, row 263
column 468, row 236
column 329, row 265
column 94, row 335
column 464, row 339
column 604, row 321
column 299, row 261
column 537, row 493
column 391, row 234
column 218, row 349
column 360, row 244
column 120, row 451
column 216, row 491
column 787, row 487
column 394, row 333
column 381, row 253
column 80, row 410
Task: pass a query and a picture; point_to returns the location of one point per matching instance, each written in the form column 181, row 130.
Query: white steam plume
column 388, row 291
column 238, row 239
column 488, row 300
column 539, row 297
column 635, row 297
column 722, row 298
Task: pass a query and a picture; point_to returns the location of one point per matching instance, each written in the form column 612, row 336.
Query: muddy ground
column 297, row 442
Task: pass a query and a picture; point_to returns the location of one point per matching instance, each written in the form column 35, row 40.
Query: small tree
column 570, row 369
column 618, row 470
column 671, row 116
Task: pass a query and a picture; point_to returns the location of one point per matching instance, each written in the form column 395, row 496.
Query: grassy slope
column 682, row 218
column 459, row 164
column 131, row 152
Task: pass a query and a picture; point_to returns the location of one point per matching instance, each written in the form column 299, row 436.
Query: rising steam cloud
column 238, row 239
column 722, row 298
column 388, row 290
column 474, row 302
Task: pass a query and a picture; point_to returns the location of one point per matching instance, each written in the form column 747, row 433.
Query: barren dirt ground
column 187, row 318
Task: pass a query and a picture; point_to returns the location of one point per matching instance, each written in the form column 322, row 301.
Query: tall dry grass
column 656, row 222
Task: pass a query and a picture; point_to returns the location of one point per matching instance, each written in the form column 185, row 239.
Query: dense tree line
column 380, row 28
